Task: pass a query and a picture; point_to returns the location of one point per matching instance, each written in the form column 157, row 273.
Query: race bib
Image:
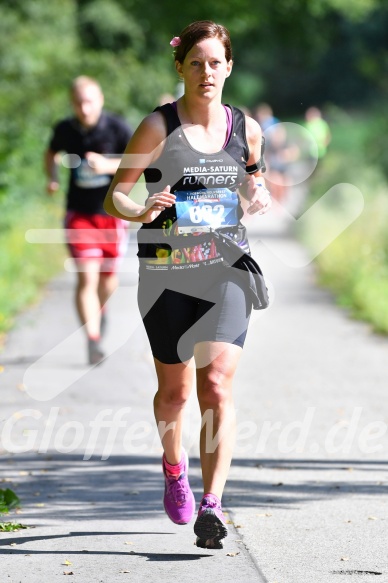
column 198, row 211
column 85, row 177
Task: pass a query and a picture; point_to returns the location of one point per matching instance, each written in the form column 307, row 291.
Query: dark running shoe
column 210, row 526
column 95, row 353
column 179, row 502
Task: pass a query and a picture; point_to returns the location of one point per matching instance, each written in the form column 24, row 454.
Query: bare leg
column 87, row 300
column 175, row 384
column 106, row 286
column 214, row 387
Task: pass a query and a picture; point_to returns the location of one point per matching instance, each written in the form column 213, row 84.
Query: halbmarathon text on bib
column 200, row 211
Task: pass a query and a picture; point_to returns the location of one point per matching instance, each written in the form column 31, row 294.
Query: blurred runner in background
column 319, row 129
column 93, row 140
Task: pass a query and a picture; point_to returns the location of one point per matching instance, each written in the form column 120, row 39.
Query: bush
column 355, row 264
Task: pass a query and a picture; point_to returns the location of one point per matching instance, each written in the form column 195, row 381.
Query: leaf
column 344, row 559
column 11, row 526
column 8, row 500
column 372, row 518
column 232, row 554
column 68, row 573
column 67, row 563
column 11, row 499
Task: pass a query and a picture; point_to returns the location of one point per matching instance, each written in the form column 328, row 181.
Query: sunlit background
column 290, row 54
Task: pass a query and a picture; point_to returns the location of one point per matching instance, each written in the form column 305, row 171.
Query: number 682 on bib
column 201, row 210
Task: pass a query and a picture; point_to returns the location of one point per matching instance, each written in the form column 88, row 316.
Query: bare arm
column 102, row 164
column 144, row 147
column 51, row 169
column 254, row 189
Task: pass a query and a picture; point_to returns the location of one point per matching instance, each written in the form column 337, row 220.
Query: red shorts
column 100, row 237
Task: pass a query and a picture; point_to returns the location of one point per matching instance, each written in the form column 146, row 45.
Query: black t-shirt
column 86, row 191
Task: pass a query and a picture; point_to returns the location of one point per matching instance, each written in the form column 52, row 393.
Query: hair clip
column 176, row 41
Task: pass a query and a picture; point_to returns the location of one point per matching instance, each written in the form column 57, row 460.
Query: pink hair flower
column 176, row 41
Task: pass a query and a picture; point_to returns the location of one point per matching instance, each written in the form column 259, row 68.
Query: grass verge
column 26, row 267
column 355, row 265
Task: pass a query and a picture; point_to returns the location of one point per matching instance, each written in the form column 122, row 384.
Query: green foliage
column 355, row 10
column 355, row 265
column 376, row 143
column 11, row 526
column 34, row 61
column 109, row 26
column 25, row 267
column 8, row 500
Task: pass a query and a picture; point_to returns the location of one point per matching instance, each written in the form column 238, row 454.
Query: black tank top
column 186, row 169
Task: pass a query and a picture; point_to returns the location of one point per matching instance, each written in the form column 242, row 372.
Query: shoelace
column 177, row 490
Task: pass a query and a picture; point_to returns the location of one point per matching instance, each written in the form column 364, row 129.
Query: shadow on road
column 124, row 488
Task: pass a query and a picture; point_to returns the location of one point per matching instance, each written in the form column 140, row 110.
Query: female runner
column 198, row 157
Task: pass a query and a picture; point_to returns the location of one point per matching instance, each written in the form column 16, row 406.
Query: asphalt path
column 306, row 498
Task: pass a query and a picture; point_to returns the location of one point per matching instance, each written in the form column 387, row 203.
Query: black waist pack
column 247, row 267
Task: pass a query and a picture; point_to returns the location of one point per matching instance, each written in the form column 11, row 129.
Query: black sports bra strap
column 239, row 127
column 171, row 117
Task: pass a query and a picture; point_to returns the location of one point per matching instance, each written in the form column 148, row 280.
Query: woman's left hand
column 258, row 196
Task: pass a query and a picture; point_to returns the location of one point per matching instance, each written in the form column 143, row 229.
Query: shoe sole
column 209, row 544
column 96, row 357
column 210, row 530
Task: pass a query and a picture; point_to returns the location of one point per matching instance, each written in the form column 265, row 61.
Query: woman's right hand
column 157, row 203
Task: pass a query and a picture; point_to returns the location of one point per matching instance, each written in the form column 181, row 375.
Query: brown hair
column 197, row 31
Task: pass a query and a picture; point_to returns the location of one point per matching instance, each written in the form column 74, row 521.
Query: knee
column 174, row 398
column 108, row 282
column 87, row 283
column 213, row 391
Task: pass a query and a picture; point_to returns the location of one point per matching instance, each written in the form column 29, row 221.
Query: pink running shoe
column 179, row 502
column 210, row 526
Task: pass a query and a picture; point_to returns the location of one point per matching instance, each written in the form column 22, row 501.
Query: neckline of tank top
column 229, row 121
